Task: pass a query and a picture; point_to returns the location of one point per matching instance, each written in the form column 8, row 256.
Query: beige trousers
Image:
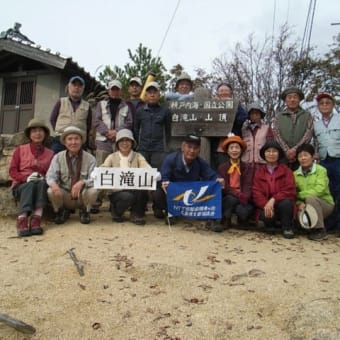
column 86, row 199
column 323, row 209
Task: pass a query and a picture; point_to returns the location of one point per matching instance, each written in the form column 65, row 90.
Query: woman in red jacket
column 274, row 192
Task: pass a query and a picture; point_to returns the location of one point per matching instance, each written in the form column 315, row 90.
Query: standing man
column 71, row 110
column 224, row 91
column 152, row 130
column 68, row 178
column 183, row 88
column 293, row 126
column 135, row 90
column 111, row 116
column 327, row 134
column 152, row 127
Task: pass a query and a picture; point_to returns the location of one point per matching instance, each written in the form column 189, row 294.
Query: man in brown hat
column 293, row 126
column 68, row 177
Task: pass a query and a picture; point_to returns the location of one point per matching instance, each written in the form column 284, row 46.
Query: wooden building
column 32, row 79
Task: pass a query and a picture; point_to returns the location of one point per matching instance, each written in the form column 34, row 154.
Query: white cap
column 152, row 84
column 115, row 83
column 136, row 80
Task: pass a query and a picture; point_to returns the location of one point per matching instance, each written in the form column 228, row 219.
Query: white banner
column 125, row 178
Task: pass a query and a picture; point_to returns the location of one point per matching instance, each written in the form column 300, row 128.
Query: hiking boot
column 171, row 220
column 84, row 216
column 61, row 216
column 215, row 227
column 22, row 227
column 158, row 213
column 139, row 220
column 36, row 228
column 318, row 235
column 288, row 233
column 226, row 222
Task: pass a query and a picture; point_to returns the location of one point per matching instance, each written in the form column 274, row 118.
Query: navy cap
column 192, row 139
column 77, row 78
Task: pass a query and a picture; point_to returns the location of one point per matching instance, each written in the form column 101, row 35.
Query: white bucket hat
column 308, row 218
column 125, row 133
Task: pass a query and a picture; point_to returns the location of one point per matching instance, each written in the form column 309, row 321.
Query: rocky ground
column 160, row 282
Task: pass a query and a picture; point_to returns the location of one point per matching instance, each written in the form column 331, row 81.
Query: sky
column 99, row 33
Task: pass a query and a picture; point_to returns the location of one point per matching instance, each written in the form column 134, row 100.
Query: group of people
column 268, row 171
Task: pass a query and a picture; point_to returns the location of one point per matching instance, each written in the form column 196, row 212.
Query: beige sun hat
column 72, row 129
column 37, row 123
column 308, row 218
column 125, row 133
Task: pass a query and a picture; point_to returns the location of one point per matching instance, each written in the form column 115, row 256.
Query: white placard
column 125, row 178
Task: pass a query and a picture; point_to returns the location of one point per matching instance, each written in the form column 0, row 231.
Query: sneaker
column 139, row 220
column 61, row 216
column 288, row 233
column 22, row 227
column 317, row 235
column 36, row 228
column 171, row 220
column 158, row 213
column 84, row 216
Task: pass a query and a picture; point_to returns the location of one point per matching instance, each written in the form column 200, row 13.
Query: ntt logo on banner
column 197, row 200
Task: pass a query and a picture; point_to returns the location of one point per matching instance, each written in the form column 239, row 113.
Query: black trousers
column 159, row 199
column 123, row 200
column 231, row 204
column 31, row 195
column 283, row 212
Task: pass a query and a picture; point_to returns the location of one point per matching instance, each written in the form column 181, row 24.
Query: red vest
column 29, row 163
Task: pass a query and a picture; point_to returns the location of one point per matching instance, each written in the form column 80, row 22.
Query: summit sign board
column 208, row 118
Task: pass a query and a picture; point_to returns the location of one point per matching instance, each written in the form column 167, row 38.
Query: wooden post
column 205, row 149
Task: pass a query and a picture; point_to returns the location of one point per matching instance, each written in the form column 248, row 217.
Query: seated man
column 69, row 180
column 183, row 166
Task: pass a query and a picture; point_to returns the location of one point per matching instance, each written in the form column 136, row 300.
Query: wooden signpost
column 204, row 118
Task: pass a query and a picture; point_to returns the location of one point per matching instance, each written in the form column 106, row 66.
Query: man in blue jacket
column 184, row 165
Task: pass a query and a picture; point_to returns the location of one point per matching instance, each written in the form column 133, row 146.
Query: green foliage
column 141, row 64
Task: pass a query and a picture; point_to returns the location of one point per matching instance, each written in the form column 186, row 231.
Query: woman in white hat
column 28, row 168
column 312, row 186
column 122, row 200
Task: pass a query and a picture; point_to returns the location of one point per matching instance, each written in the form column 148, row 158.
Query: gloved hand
column 34, row 176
